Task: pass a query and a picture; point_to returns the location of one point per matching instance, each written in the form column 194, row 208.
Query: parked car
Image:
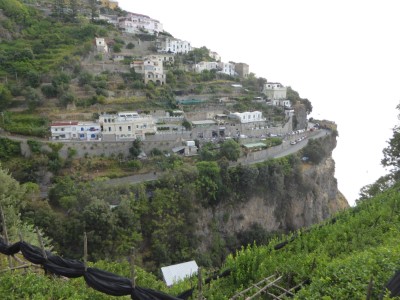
column 293, row 143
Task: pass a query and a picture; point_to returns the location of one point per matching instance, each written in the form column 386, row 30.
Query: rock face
column 311, row 198
column 300, row 117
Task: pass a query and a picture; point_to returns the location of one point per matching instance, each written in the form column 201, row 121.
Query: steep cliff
column 308, row 196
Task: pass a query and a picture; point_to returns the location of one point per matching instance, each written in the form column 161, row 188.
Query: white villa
column 247, row 117
column 281, row 102
column 136, row 23
column 151, row 68
column 214, row 55
column 126, row 126
column 274, row 90
column 206, row 65
column 172, row 45
column 74, row 130
column 111, row 19
column 227, row 68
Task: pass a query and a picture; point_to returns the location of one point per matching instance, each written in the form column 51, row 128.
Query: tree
column 307, row 104
column 13, row 198
column 381, row 185
column 187, row 124
column 5, row 97
column 230, row 149
column 314, row 151
column 208, row 152
column 74, row 8
column 93, row 9
column 136, row 148
column 391, row 154
column 209, row 181
column 98, row 222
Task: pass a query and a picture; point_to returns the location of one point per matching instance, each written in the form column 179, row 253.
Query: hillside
column 248, row 180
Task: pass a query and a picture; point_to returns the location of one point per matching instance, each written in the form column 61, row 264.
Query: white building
column 126, row 126
column 101, row 45
column 172, row 45
column 274, row 90
column 74, row 130
column 227, row 68
column 111, row 19
column 214, row 55
column 136, row 23
column 247, row 117
column 206, row 65
column 151, row 68
column 281, row 102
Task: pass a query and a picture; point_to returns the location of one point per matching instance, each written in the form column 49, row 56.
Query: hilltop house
column 274, row 91
column 172, row 45
column 74, row 130
column 136, row 23
column 227, row 68
column 151, row 68
column 206, row 65
column 281, row 102
column 125, row 126
column 111, row 19
column 242, row 70
column 101, row 45
column 214, row 55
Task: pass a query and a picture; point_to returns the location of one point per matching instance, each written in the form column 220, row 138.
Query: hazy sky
column 344, row 56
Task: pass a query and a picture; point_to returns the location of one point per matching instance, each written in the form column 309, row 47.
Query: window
column 120, row 128
column 109, row 128
column 82, row 129
column 129, row 128
column 62, row 129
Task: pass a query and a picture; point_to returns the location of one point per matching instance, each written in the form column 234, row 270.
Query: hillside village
column 196, row 117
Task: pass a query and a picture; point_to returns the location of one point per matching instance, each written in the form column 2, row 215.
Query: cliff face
column 309, row 198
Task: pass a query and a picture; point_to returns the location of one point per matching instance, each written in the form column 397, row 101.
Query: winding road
column 274, row 152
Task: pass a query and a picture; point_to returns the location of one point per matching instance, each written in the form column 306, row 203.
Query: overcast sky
column 344, row 56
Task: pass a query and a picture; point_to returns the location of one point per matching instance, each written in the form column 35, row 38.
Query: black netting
column 99, row 280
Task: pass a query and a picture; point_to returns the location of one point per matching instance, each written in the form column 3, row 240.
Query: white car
column 293, row 143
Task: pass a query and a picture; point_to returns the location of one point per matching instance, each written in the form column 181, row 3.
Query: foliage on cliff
column 338, row 258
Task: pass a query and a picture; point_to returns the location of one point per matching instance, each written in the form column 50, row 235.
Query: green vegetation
column 339, row 257
column 42, row 64
column 25, row 124
column 9, row 148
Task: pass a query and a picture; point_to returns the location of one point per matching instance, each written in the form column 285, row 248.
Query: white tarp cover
column 174, row 273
